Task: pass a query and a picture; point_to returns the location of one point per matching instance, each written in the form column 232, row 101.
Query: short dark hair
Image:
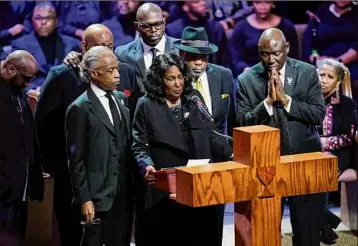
column 153, row 80
column 336, row 64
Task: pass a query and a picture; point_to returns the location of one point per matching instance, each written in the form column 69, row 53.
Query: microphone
column 204, row 111
column 202, row 108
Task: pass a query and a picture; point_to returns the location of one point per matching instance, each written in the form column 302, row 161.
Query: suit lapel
column 169, row 44
column 39, row 55
column 290, row 77
column 124, row 113
column 139, row 57
column 214, row 87
column 60, row 48
column 97, row 109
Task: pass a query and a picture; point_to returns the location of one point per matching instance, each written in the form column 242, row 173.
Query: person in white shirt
column 285, row 93
column 98, row 150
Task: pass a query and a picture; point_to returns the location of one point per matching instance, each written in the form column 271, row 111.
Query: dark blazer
column 17, row 150
column 307, row 107
column 223, row 109
column 62, row 86
column 160, row 142
column 132, row 54
column 92, row 150
column 344, row 124
column 64, row 44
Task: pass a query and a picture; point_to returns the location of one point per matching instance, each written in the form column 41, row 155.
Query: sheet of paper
column 197, row 162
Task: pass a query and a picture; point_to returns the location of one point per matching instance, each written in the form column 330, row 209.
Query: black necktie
column 114, row 111
column 286, row 148
column 154, row 52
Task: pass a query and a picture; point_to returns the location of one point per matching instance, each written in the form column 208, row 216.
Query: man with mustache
column 215, row 84
column 98, row 148
column 20, row 170
column 285, row 93
column 196, row 14
column 61, row 88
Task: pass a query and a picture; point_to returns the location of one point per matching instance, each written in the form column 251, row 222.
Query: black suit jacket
column 61, row 88
column 307, row 108
column 30, row 43
column 222, row 97
column 92, row 150
column 160, row 142
column 17, row 150
column 132, row 54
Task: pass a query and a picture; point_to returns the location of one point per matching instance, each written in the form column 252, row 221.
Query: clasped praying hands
column 276, row 92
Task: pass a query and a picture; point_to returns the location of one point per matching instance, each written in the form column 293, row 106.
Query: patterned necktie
column 154, row 53
column 114, row 111
column 199, row 87
column 286, row 148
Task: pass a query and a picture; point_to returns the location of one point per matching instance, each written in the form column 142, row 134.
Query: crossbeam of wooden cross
column 255, row 181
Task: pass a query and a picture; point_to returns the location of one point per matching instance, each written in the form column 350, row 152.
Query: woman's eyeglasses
column 148, row 26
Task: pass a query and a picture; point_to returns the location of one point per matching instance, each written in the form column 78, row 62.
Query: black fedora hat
column 195, row 40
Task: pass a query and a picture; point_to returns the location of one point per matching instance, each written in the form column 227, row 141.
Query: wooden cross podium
column 255, row 181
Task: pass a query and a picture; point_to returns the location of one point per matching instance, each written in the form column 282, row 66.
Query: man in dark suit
column 20, row 171
column 61, row 88
column 215, row 83
column 98, row 147
column 286, row 94
column 140, row 52
column 47, row 45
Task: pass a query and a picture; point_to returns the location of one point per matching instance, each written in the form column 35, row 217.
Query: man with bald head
column 61, row 88
column 98, row 149
column 20, row 170
column 152, row 42
column 285, row 93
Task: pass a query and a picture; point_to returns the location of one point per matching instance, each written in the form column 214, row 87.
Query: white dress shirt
column 282, row 78
column 148, row 55
column 207, row 98
column 101, row 95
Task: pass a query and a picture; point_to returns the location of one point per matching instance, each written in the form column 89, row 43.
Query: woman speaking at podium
column 170, row 127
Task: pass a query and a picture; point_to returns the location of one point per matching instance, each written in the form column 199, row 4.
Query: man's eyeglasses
column 46, row 18
column 24, row 77
column 148, row 26
column 27, row 78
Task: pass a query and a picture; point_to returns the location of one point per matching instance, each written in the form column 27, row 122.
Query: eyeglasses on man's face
column 27, row 78
column 149, row 26
column 44, row 18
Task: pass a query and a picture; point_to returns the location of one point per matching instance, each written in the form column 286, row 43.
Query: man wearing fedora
column 215, row 83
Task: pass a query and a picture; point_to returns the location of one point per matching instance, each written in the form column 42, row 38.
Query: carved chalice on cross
column 266, row 176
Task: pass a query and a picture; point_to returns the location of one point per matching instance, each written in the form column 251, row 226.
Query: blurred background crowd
column 315, row 29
